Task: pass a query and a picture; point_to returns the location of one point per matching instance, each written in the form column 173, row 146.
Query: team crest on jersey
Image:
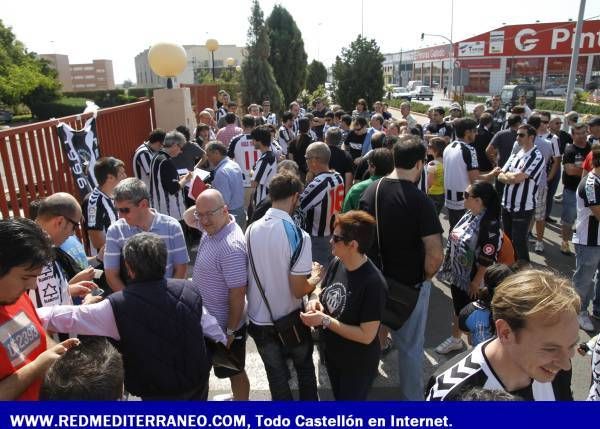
column 489, row 249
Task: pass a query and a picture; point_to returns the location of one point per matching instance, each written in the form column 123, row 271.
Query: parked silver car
column 422, row 92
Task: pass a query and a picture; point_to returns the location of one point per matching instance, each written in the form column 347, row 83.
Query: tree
column 316, row 75
column 358, row 73
column 287, row 56
column 257, row 80
column 24, row 78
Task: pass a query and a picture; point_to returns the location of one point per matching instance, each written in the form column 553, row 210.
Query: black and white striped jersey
column 595, row 389
column 241, row 150
column 264, row 170
column 474, row 370
column 270, row 119
column 587, row 227
column 141, row 163
column 522, row 196
column 166, row 196
column 98, row 211
column 321, row 201
column 285, row 138
column 592, row 140
column 221, row 112
column 459, row 159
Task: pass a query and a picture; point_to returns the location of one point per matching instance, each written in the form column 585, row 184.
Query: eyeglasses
column 467, row 196
column 209, row 214
column 124, row 210
column 337, row 238
column 545, row 122
column 72, row 222
column 521, row 135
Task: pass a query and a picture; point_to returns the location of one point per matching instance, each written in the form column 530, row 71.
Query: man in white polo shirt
column 281, row 259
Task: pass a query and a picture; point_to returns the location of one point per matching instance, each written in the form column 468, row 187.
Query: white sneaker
column 585, row 322
column 449, row 345
column 539, row 247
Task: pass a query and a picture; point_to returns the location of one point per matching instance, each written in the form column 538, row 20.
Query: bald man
column 221, row 276
column 59, row 215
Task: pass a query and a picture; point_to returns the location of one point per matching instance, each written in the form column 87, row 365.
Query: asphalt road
column 438, row 329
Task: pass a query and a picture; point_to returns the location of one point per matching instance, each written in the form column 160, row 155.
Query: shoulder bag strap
column 260, row 288
column 377, row 223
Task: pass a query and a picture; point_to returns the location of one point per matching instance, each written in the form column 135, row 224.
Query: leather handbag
column 401, row 299
column 222, row 357
column 290, row 329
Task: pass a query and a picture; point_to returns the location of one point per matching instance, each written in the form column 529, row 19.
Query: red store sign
column 555, row 38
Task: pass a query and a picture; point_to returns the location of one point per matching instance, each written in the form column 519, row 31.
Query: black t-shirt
column 362, row 169
column 352, row 297
column 354, row 143
column 444, row 129
column 481, row 142
column 340, row 160
column 190, row 154
column 319, row 129
column 406, row 216
column 573, row 155
column 298, row 149
column 503, row 141
column 564, row 138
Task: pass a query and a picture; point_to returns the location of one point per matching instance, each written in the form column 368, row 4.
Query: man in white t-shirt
column 280, row 262
column 461, row 168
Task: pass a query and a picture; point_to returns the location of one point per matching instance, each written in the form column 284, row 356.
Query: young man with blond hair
column 535, row 316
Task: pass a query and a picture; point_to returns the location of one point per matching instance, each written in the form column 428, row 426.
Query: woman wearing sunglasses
column 348, row 308
column 473, row 245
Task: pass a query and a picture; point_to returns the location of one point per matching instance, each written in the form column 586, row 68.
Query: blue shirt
column 475, row 318
column 75, row 249
column 229, row 181
column 366, row 147
column 164, row 226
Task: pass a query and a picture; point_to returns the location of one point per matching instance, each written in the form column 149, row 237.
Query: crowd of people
column 320, row 226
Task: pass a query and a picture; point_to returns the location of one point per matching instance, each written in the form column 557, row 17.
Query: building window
column 99, row 70
column 79, row 85
column 525, row 70
column 557, row 71
column 77, row 77
column 90, row 76
column 88, row 68
column 90, row 85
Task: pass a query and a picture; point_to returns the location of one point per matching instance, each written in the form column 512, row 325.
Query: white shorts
column 540, row 203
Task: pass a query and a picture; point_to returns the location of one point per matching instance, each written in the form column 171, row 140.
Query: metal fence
column 34, row 165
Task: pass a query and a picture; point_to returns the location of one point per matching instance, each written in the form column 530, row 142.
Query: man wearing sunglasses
column 132, row 202
column 522, row 174
column 59, row 216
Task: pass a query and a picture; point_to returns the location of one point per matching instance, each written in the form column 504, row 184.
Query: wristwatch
column 325, row 322
column 229, row 332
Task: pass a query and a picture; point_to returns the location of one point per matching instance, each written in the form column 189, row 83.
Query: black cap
column 594, row 122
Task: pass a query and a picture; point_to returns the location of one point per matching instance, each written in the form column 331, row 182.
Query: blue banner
column 256, row 415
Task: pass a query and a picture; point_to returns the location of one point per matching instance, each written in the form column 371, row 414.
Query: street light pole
column 574, row 61
column 212, row 45
column 451, row 77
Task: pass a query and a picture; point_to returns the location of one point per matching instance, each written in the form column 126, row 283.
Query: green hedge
column 114, row 97
column 559, row 106
column 64, row 106
column 140, row 92
column 474, row 98
column 414, row 106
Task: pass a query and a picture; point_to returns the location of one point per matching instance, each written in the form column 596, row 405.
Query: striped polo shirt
column 164, row 226
column 221, row 265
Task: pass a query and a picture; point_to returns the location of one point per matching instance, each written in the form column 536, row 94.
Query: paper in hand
column 197, row 184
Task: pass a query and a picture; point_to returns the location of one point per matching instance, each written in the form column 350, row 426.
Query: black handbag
column 290, row 329
column 400, row 299
column 222, row 357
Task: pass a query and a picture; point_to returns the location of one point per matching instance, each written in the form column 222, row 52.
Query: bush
column 474, row 98
column 551, row 105
column 140, row 92
column 64, row 106
column 414, row 106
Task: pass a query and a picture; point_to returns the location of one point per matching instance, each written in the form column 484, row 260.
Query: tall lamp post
column 212, row 45
column 451, row 78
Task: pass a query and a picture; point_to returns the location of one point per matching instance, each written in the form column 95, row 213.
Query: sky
column 120, row 29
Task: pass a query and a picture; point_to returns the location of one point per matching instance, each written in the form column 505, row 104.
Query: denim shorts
column 569, row 207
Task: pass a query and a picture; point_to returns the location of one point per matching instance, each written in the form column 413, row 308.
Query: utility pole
column 574, row 61
column 362, row 17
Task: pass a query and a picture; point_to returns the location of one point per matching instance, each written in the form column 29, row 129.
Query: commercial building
column 199, row 60
column 539, row 54
column 94, row 76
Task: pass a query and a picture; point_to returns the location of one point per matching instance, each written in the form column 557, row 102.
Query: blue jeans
column 274, row 356
column 569, row 207
column 516, row 225
column 586, row 279
column 321, row 250
column 410, row 341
